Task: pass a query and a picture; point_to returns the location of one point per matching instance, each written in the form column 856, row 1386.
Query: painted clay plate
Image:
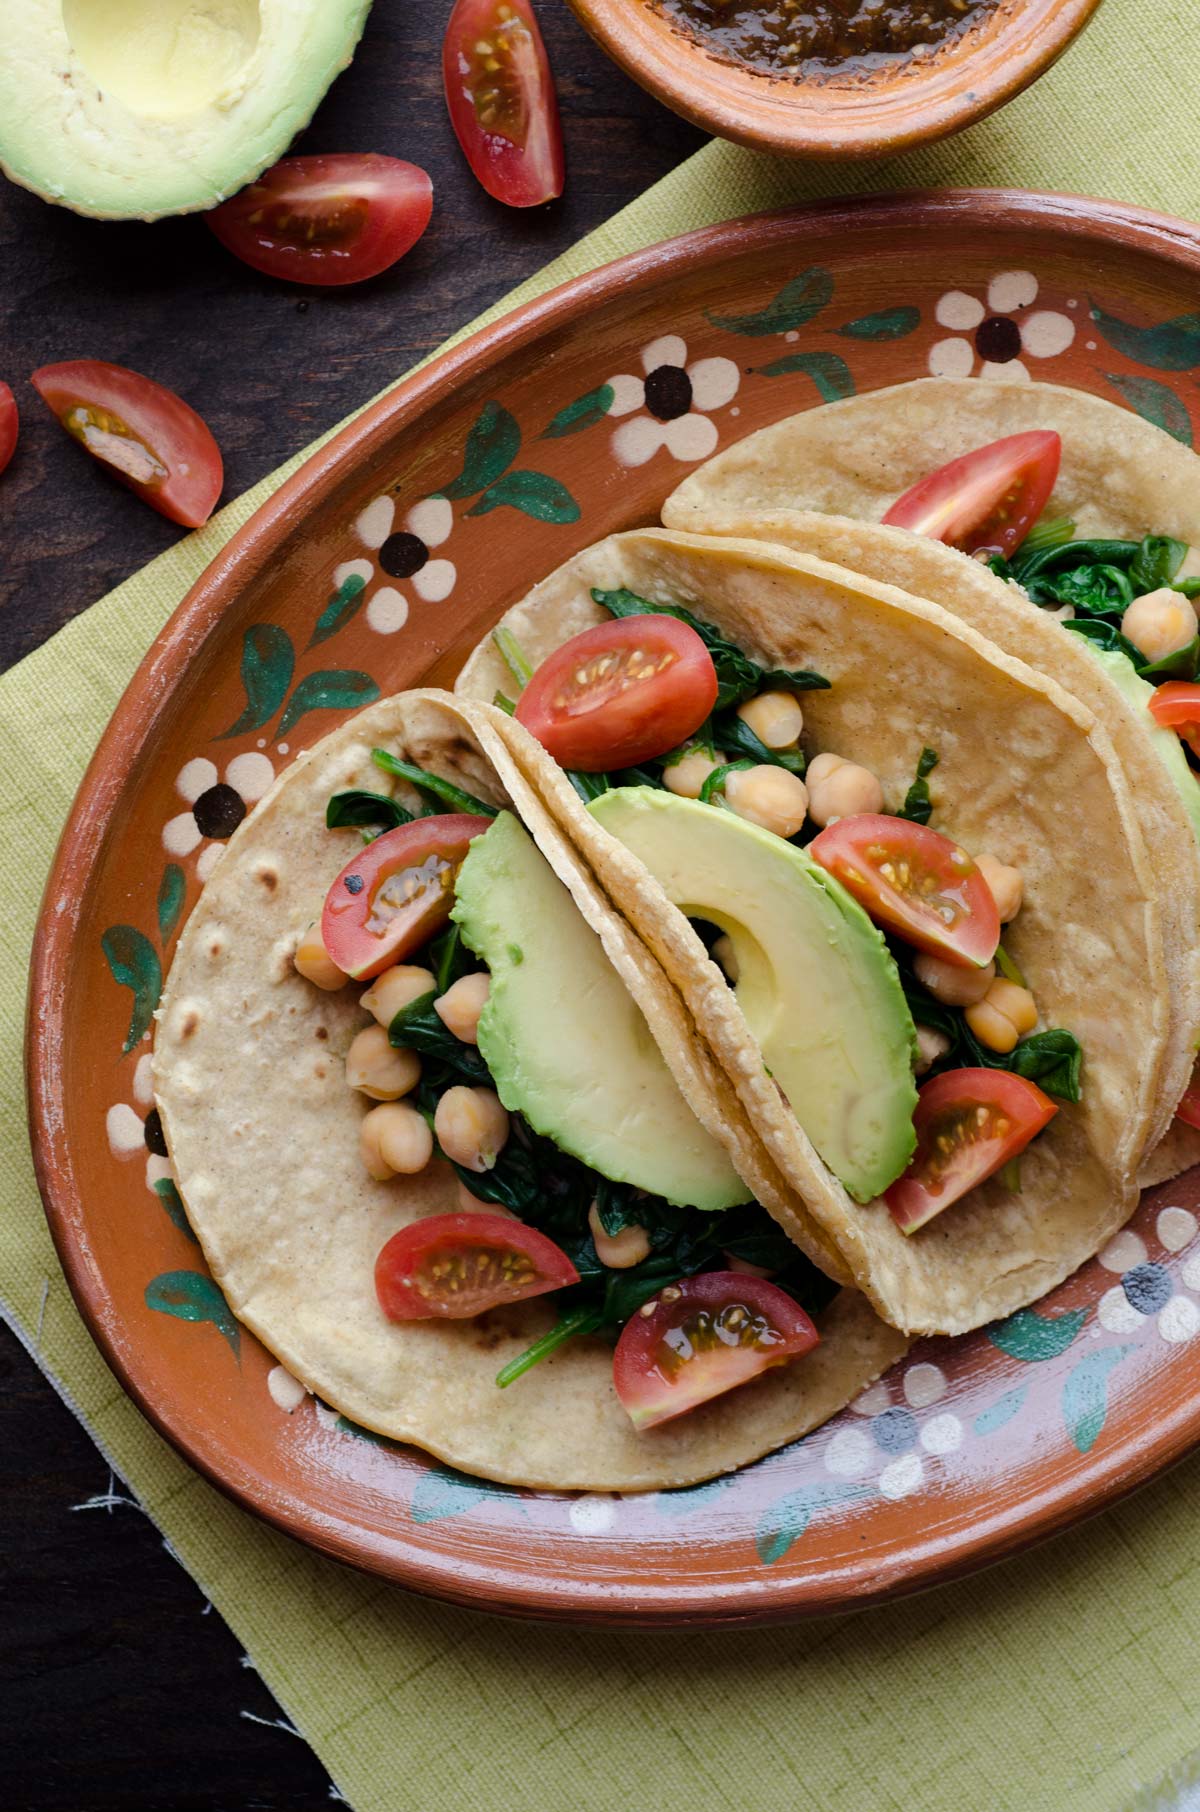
column 377, row 567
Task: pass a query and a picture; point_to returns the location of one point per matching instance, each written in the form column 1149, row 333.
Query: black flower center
column 403, row 555
column 895, row 1430
column 998, row 339
column 154, row 1134
column 668, row 392
column 219, row 811
column 1147, row 1288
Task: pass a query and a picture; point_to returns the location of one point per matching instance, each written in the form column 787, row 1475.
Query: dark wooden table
column 120, row 1691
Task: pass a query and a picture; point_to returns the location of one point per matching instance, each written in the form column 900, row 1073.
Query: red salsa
column 803, row 37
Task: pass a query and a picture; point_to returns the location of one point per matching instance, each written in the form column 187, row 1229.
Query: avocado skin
column 565, row 1042
column 817, row 986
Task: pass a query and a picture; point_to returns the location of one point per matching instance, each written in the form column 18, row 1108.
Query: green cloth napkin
column 1064, row 1680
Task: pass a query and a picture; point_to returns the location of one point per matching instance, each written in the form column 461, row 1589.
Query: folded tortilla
column 820, row 482
column 1025, row 772
column 263, row 1137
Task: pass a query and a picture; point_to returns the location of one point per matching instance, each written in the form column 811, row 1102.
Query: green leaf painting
column 785, row 1521
column 134, row 963
column 190, row 1296
column 1170, row 346
column 172, row 1201
column 828, row 371
column 442, row 1492
column 328, row 691
column 887, row 324
column 345, row 1426
column 797, row 302
column 491, row 447
column 268, row 661
column 1085, row 1394
column 1156, row 403
column 535, row 494
column 1033, row 1337
column 170, row 899
column 342, row 606
column 584, row 412
column 1001, row 1411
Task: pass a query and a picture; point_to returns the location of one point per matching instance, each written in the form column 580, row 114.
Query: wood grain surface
column 119, row 1692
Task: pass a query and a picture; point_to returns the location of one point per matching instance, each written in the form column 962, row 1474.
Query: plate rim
column 451, row 1573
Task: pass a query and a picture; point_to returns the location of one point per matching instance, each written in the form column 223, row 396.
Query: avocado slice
column 131, row 109
column 563, row 1038
column 816, row 983
column 1138, row 692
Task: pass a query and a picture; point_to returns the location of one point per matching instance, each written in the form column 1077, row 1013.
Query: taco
column 475, row 1163
column 1114, row 557
column 790, row 763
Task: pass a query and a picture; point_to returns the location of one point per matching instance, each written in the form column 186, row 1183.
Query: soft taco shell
column 1026, row 773
column 263, row 1137
column 819, row 483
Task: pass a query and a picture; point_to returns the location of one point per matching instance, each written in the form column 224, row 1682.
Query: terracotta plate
column 377, row 567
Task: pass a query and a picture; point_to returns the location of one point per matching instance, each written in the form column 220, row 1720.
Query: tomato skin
column 1189, row 1106
column 989, row 498
column 439, row 843
column 9, row 425
column 145, row 435
column 853, row 850
column 950, row 1103
column 479, row 1248
column 1176, row 706
column 327, row 220
column 659, row 1374
column 614, row 720
column 505, row 118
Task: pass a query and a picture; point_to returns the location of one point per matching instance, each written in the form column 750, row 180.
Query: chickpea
column 775, row 718
column 314, row 962
column 471, row 1126
column 460, row 1006
column 1007, row 885
column 952, row 985
column 379, row 1071
column 1160, row 623
column 397, row 987
column 1003, row 1015
column 725, row 954
column 394, row 1140
column 840, row 789
column 686, row 776
column 769, row 796
column 931, row 1045
column 618, row 1250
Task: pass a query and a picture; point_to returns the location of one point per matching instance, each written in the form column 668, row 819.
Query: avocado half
column 132, row 109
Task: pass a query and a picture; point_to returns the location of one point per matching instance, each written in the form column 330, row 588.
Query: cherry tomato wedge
column 1189, row 1106
column 915, row 882
column 1176, row 706
column 990, row 498
column 620, row 693
column 502, row 103
column 8, row 425
column 396, row 893
column 327, row 220
column 701, row 1337
column 968, row 1123
column 451, row 1266
column 147, row 436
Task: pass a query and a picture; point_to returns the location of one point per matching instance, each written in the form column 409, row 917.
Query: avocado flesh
column 563, row 1038
column 131, row 109
column 816, row 983
column 1139, row 692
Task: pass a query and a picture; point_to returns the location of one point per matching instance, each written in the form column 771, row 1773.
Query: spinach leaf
column 1053, row 1059
column 445, row 1059
column 1028, row 568
column 715, row 782
column 1156, row 562
column 503, row 703
column 738, row 677
column 513, row 655
column 444, row 791
column 918, row 806
column 1048, row 532
column 1180, row 665
column 728, row 732
column 588, row 786
column 1096, row 630
column 375, row 812
column 1093, row 591
column 450, row 958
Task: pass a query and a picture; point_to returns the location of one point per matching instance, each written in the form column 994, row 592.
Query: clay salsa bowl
column 869, row 114
column 378, row 566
